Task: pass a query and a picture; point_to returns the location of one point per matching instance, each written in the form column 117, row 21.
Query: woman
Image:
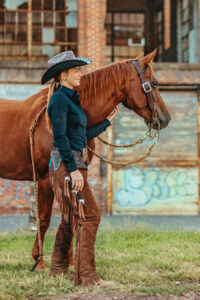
column 68, row 168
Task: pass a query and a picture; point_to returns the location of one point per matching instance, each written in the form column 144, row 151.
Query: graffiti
column 139, row 188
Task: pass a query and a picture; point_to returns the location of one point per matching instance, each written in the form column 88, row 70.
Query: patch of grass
column 140, row 260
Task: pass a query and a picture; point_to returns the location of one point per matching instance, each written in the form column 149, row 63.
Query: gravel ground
column 77, row 296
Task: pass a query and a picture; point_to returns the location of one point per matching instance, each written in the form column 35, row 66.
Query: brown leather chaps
column 71, row 223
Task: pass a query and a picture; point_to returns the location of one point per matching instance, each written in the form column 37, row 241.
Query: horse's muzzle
column 163, row 123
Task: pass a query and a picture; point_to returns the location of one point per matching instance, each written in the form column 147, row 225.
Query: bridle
column 147, row 88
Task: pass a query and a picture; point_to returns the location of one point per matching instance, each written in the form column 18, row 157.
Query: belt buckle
column 146, row 87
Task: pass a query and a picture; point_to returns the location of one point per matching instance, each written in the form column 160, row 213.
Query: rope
column 36, row 186
column 140, row 141
column 124, row 163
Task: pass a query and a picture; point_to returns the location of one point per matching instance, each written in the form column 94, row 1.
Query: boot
column 61, row 255
column 84, row 261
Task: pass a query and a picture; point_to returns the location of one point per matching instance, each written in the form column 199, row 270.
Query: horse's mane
column 100, row 81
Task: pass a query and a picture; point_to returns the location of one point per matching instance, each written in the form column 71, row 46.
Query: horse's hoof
column 57, row 272
column 41, row 266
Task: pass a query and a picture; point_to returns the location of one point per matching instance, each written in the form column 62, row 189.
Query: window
column 37, row 28
column 187, row 30
column 125, row 35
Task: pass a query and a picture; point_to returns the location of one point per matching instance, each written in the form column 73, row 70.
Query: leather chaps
column 71, row 223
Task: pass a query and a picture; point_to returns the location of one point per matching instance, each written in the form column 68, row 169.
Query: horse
column 100, row 92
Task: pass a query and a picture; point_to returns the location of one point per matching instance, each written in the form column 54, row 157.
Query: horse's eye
column 155, row 83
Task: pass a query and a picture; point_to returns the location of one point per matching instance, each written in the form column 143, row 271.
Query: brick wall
column 92, row 44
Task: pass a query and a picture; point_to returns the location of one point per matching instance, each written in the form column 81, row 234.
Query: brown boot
column 61, row 254
column 85, row 261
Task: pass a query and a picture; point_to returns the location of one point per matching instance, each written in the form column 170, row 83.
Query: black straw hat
column 61, row 62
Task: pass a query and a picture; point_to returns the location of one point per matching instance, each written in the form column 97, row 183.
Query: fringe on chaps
column 79, row 219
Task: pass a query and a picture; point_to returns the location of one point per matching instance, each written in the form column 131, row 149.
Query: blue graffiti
column 141, row 187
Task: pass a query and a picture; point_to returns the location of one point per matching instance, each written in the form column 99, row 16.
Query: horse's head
column 142, row 93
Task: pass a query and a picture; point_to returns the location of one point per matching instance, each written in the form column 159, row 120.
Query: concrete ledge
column 13, row 223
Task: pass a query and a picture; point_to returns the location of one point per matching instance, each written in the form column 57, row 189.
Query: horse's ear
column 148, row 59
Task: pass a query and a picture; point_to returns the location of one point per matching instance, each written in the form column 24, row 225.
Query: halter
column 146, row 85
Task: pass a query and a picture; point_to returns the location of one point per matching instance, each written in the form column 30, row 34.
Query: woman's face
column 72, row 77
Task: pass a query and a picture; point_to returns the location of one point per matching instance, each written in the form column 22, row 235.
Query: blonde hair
column 53, row 87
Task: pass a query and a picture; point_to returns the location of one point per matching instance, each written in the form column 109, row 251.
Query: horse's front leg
column 45, row 203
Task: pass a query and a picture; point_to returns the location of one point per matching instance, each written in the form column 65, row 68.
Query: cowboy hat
column 62, row 62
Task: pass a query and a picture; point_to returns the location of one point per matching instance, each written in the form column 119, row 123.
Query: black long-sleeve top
column 69, row 123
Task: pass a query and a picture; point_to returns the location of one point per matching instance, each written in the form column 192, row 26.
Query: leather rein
column 147, row 88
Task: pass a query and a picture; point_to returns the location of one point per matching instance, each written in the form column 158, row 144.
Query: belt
column 80, row 158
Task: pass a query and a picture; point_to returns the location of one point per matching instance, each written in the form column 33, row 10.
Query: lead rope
column 36, row 187
column 148, row 136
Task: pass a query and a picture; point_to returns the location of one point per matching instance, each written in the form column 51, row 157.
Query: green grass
column 140, row 260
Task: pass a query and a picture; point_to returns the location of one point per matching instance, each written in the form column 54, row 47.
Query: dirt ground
column 77, row 296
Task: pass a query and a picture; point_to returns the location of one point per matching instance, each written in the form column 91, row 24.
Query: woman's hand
column 77, row 180
column 113, row 114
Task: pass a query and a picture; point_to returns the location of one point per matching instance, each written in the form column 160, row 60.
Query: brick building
column 31, row 31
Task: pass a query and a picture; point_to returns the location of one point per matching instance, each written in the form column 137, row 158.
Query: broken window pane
column 1, row 35
column 2, row 2
column 48, row 35
column 36, row 50
column 22, row 4
column 22, row 18
column 36, row 5
column 10, row 4
column 60, row 4
column 22, row 34
column 60, row 35
column 36, row 18
column 71, row 5
column 10, row 34
column 2, row 19
column 48, row 18
column 48, row 5
column 71, row 20
column 37, row 35
column 10, row 17
column 48, row 50
column 72, row 35
column 60, row 19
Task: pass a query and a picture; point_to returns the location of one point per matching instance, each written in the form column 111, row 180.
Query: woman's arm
column 94, row 131
column 58, row 116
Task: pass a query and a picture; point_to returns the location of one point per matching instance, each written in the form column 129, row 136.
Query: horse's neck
column 98, row 107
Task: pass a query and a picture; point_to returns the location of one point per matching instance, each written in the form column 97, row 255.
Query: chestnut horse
column 100, row 92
